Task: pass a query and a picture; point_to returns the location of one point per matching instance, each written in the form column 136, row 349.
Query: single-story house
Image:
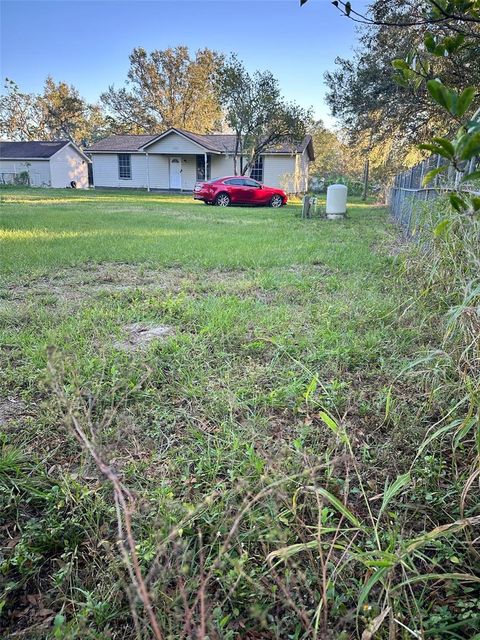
column 176, row 159
column 48, row 164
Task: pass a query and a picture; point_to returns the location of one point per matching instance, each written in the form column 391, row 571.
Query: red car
column 238, row 190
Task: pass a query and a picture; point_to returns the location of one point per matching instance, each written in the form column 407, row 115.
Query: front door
column 175, row 173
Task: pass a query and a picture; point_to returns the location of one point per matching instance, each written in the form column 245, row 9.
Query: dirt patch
column 140, row 335
column 71, row 287
column 82, row 282
column 10, row 409
column 77, row 284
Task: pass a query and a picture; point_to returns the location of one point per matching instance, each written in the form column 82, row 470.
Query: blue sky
column 86, row 42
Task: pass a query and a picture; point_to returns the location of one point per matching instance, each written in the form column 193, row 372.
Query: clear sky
column 87, row 42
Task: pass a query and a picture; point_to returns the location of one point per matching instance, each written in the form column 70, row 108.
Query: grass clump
column 296, row 458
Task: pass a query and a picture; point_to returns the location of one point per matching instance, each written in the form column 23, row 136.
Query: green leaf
column 399, row 64
column 339, row 506
column 431, row 174
column 465, row 99
column 475, row 175
column 471, row 147
column 439, row 432
column 312, row 387
column 439, row 93
column 463, row 577
column 441, row 531
column 393, row 490
column 286, row 552
column 438, row 149
column 475, row 201
column 453, row 43
column 59, row 620
column 429, row 42
column 388, row 402
column 472, row 126
column 441, row 227
column 446, row 145
column 371, row 582
column 428, row 146
column 457, row 202
column 331, row 424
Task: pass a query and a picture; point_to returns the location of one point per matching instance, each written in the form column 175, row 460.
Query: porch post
column 148, row 174
column 205, row 162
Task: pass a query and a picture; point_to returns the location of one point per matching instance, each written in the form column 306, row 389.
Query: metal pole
column 148, row 173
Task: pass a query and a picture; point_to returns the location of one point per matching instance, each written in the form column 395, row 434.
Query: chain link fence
column 408, row 191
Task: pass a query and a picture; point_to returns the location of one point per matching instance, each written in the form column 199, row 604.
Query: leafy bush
column 320, row 185
column 21, row 179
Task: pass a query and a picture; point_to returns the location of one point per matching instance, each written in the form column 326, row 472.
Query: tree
column 125, row 114
column 439, row 71
column 330, row 152
column 168, row 89
column 364, row 93
column 463, row 15
column 18, row 114
column 65, row 114
column 58, row 113
column 367, row 98
column 257, row 113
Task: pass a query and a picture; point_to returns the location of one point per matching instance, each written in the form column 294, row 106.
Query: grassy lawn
column 279, row 332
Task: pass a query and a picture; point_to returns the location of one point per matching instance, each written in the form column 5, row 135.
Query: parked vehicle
column 238, row 190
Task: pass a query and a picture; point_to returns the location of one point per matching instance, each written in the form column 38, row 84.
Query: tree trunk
column 235, row 155
column 365, row 179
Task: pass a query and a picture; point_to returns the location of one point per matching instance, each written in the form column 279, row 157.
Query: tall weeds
column 324, row 544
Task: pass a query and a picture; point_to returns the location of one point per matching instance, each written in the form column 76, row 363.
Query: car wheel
column 222, row 200
column 276, row 201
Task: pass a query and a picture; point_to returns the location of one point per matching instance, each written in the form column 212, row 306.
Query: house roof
column 217, row 142
column 122, row 143
column 37, row 149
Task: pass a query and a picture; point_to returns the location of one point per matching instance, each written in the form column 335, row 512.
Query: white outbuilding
column 43, row 164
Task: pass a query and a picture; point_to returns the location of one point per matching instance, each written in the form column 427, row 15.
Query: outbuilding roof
column 35, row 149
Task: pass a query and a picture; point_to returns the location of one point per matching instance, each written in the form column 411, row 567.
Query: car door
column 254, row 192
column 235, row 190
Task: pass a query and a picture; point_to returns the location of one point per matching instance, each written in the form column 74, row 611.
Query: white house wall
column 221, row 166
column 38, row 170
column 67, row 165
column 279, row 171
column 174, row 144
column 159, row 171
column 288, row 172
column 304, row 169
column 105, row 171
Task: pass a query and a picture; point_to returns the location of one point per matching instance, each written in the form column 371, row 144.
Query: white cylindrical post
column 336, row 201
